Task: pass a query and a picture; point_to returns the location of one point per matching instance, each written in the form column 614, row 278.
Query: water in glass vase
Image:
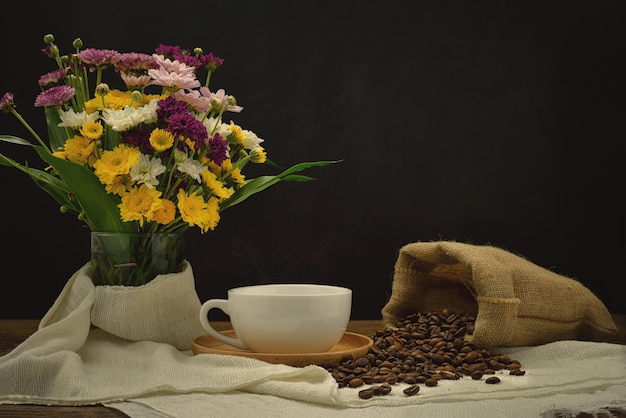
column 134, row 259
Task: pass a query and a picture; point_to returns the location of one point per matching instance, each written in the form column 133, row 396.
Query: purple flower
column 53, row 77
column 190, row 60
column 170, row 106
column 7, row 103
column 218, row 149
column 98, row 57
column 55, row 96
column 139, row 138
column 168, row 51
column 186, row 124
column 211, row 62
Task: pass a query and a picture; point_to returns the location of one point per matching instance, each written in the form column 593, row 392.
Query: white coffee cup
column 283, row 318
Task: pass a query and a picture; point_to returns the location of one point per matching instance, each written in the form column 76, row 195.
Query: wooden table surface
column 14, row 331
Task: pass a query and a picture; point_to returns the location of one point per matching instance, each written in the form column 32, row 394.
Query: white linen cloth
column 69, row 361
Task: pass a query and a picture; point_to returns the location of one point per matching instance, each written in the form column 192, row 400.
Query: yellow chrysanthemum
column 115, row 162
column 237, row 131
column 115, row 99
column 118, row 185
column 92, row 130
column 216, row 186
column 166, row 213
column 78, row 149
column 161, row 140
column 258, row 155
column 60, row 154
column 237, row 176
column 139, row 204
column 196, row 212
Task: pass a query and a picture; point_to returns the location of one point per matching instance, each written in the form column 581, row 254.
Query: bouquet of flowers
column 152, row 156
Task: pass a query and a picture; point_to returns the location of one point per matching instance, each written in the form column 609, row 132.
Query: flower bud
column 231, row 101
column 179, row 156
column 78, row 43
column 102, row 89
column 53, row 52
column 48, row 39
column 136, row 96
column 6, row 102
column 197, row 51
column 63, row 209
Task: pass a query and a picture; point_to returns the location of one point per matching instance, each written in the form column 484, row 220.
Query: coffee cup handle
column 221, row 304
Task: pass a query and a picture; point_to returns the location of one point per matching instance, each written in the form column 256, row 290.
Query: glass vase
column 134, row 259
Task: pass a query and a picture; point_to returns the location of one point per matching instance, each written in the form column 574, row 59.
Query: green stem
column 31, row 130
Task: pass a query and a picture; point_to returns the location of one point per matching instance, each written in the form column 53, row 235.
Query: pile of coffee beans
column 422, row 349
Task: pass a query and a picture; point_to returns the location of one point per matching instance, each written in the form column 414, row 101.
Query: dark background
column 478, row 121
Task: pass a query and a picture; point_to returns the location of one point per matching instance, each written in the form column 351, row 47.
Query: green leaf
column 15, row 140
column 56, row 135
column 46, row 181
column 261, row 183
column 100, row 207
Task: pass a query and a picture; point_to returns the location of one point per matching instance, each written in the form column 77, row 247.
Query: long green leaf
column 57, row 136
column 15, row 140
column 261, row 183
column 99, row 206
column 46, row 181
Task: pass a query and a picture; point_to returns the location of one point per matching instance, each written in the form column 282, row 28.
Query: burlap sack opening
column 517, row 302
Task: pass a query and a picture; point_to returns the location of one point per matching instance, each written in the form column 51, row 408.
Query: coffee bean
column 477, row 375
column 422, row 349
column 492, row 380
column 366, row 393
column 411, row 390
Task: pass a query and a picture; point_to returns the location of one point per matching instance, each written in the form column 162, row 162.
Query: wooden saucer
column 356, row 345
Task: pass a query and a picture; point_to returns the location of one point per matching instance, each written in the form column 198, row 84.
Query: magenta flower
column 170, row 106
column 186, row 125
column 98, row 57
column 218, row 149
column 168, row 51
column 7, row 103
column 53, row 77
column 55, row 96
column 211, row 62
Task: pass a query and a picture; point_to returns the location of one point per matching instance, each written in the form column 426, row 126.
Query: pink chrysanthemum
column 53, row 77
column 55, row 96
column 98, row 57
column 174, row 80
column 134, row 61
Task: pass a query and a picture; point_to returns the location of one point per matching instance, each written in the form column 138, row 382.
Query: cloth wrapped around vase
column 164, row 310
column 517, row 302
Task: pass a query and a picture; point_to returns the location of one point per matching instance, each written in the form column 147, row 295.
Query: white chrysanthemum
column 250, row 140
column 192, row 167
column 149, row 111
column 71, row 119
column 209, row 123
column 147, row 170
column 129, row 117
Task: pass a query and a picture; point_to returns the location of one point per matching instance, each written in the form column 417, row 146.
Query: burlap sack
column 517, row 302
